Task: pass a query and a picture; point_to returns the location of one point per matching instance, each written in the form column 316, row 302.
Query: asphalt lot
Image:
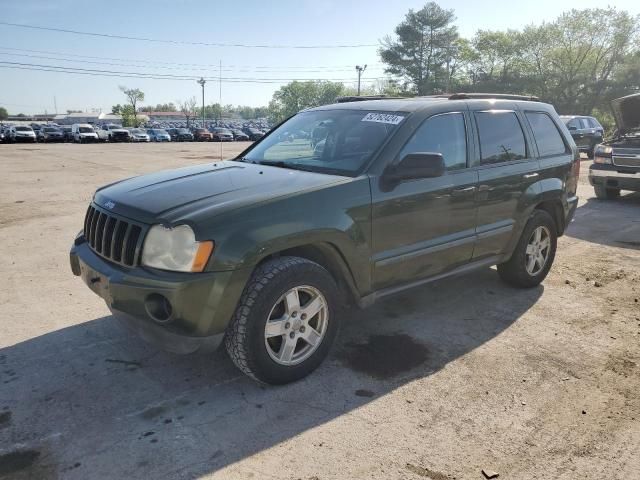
column 441, row 382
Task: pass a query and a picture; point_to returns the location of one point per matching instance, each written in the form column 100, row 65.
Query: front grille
column 113, row 238
column 626, row 161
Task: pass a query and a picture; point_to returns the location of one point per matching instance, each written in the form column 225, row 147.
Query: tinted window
column 593, row 123
column 584, row 123
column 546, row 133
column 571, row 122
column 445, row 134
column 501, row 137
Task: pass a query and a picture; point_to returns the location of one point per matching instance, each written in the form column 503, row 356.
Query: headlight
column 602, row 154
column 175, row 249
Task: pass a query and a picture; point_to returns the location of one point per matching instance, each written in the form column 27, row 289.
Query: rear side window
column 445, row 134
column 593, row 123
column 501, row 137
column 546, row 133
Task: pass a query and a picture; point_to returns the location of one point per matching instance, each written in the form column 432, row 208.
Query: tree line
column 578, row 62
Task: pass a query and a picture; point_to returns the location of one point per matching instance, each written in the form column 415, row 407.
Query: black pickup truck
column 616, row 162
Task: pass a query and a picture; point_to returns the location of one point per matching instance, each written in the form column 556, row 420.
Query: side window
column 584, row 124
column 445, row 134
column 573, row 123
column 546, row 133
column 593, row 123
column 501, row 137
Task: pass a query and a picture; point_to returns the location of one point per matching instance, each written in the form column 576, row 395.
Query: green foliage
column 579, row 62
column 160, row 107
column 134, row 95
column 3, row 113
column 296, row 96
column 421, row 54
column 129, row 119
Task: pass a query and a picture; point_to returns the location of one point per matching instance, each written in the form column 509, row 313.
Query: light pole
column 360, row 70
column 202, row 81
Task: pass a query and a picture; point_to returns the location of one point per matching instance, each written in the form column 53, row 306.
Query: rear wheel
column 534, row 253
column 285, row 322
column 604, row 193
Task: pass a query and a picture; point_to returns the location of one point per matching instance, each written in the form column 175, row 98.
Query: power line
column 94, row 62
column 182, row 42
column 152, row 76
column 153, row 62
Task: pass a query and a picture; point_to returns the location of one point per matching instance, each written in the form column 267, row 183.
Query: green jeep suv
column 339, row 205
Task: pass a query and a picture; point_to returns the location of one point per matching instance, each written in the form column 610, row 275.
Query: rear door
column 426, row 226
column 506, row 171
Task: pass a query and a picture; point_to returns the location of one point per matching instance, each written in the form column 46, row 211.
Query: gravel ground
column 540, row 383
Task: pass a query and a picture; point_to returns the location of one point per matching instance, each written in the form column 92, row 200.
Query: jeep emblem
column 109, row 204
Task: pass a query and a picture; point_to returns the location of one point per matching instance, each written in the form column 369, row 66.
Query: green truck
column 338, row 206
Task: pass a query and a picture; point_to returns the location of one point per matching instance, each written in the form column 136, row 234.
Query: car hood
column 626, row 111
column 188, row 194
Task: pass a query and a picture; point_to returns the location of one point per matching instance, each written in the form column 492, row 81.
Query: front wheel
column 285, row 321
column 534, row 253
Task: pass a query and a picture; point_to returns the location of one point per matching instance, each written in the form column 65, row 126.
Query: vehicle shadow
column 91, row 401
column 593, row 221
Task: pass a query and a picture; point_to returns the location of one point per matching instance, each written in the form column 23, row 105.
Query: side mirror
column 414, row 166
column 573, row 129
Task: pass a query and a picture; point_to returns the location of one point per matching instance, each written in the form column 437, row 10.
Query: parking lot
column 439, row 383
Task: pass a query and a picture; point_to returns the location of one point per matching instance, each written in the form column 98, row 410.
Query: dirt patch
column 153, row 412
column 385, row 356
column 18, row 460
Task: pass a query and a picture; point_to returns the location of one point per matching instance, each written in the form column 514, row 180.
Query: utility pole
column 360, row 70
column 202, row 81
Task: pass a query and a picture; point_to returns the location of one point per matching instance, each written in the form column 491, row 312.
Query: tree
column 188, row 108
column 160, row 107
column 3, row 113
column 296, row 96
column 134, row 95
column 422, row 53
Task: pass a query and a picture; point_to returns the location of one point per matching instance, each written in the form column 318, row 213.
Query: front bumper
column 612, row 176
column 201, row 305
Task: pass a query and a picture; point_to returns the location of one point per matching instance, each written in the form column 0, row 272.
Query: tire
column 604, row 193
column 262, row 299
column 515, row 271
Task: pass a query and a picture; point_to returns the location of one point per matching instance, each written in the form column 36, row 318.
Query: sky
column 250, row 75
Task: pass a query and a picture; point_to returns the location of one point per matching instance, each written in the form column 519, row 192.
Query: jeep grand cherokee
column 261, row 252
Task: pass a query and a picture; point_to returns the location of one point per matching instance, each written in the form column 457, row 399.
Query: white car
column 83, row 132
column 22, row 133
column 139, row 135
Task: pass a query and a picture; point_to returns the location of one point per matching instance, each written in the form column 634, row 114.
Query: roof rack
column 497, row 96
column 353, row 98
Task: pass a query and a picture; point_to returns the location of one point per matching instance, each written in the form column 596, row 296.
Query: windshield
column 183, row 130
column 85, row 130
column 137, row 130
column 327, row 141
column 50, row 129
column 221, row 130
column 23, row 129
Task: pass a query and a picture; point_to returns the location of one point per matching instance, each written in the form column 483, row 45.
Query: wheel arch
column 329, row 257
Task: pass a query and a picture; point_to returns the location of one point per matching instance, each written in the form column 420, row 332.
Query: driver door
column 424, row 227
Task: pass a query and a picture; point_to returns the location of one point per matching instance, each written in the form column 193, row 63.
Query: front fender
column 338, row 216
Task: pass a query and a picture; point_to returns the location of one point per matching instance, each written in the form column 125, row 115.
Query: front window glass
column 445, row 134
column 85, row 130
column 337, row 142
column 23, row 129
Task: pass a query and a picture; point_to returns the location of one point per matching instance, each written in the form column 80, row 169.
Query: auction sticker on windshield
column 383, row 118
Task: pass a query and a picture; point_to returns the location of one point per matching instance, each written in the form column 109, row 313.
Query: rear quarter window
column 546, row 133
column 501, row 137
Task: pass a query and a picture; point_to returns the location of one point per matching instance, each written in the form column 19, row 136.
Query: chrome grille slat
column 626, row 161
column 112, row 237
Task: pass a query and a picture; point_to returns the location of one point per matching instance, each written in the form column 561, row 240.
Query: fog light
column 158, row 308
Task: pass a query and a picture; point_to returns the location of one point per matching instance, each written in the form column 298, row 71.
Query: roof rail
column 353, row 98
column 498, row 96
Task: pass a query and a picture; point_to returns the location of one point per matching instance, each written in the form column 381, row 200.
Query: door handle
column 462, row 191
column 530, row 175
